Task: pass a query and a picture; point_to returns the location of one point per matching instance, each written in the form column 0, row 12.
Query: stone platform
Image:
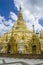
column 28, row 56
column 18, row 61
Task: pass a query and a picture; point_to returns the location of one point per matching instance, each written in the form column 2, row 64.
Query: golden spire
column 41, row 33
column 33, row 28
column 20, row 17
column 12, row 31
column 6, row 39
column 20, row 7
column 20, row 25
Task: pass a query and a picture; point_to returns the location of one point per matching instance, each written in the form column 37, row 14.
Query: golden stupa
column 41, row 34
column 20, row 39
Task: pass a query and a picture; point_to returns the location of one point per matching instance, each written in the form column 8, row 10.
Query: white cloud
column 6, row 25
column 13, row 16
column 1, row 19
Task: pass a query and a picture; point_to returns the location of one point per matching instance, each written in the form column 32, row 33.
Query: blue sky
column 41, row 21
column 8, row 15
column 32, row 14
column 6, row 6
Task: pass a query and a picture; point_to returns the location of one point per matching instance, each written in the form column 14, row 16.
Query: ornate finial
column 12, row 30
column 20, row 7
column 41, row 33
column 7, row 36
column 33, row 27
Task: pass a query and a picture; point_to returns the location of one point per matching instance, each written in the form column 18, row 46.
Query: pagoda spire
column 12, row 31
column 20, row 24
column 20, row 17
column 20, row 7
column 33, row 28
column 6, row 37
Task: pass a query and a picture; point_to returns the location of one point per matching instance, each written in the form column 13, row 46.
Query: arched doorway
column 9, row 48
column 21, row 47
column 34, row 49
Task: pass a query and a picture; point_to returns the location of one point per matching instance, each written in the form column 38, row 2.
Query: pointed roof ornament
column 33, row 28
column 12, row 31
column 20, row 7
column 20, row 17
column 6, row 37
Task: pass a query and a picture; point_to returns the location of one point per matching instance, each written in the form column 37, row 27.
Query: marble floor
column 16, row 61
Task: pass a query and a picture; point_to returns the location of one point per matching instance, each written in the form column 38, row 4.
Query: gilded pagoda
column 20, row 39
